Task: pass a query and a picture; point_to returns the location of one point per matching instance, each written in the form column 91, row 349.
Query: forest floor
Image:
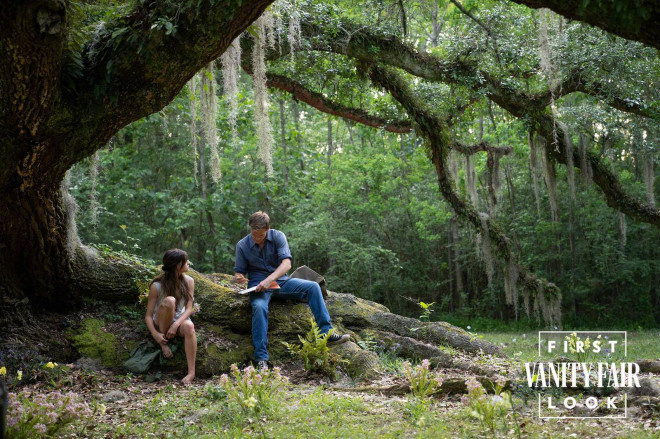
column 129, row 406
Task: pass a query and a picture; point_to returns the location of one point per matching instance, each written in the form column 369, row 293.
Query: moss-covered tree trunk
column 60, row 101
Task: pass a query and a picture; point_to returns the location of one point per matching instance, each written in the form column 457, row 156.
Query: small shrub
column 369, row 343
column 315, row 353
column 254, row 391
column 583, row 355
column 43, row 415
column 422, row 382
column 427, row 310
column 488, row 409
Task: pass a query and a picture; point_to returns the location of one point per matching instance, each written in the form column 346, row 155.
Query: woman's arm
column 174, row 327
column 149, row 317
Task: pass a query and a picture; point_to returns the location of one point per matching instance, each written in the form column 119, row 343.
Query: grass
column 165, row 409
column 306, row 411
column 524, row 345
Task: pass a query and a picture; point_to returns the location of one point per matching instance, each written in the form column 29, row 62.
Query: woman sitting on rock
column 170, row 306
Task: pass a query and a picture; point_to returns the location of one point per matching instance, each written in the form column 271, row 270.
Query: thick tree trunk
column 34, row 260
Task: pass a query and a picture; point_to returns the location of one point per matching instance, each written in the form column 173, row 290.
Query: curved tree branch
column 481, row 146
column 435, row 130
column 638, row 20
column 370, row 47
column 325, row 105
column 575, row 83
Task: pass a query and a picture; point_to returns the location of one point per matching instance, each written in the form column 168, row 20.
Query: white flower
column 469, row 327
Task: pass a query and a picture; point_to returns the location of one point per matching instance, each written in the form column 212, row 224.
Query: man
column 265, row 257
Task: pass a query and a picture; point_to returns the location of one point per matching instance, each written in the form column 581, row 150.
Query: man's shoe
column 262, row 364
column 338, row 339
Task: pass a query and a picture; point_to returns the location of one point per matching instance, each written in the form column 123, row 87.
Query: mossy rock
column 361, row 363
column 93, row 342
column 213, row 357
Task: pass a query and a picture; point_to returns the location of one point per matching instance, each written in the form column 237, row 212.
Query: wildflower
column 465, row 400
column 514, row 340
column 469, row 327
column 500, row 381
column 250, row 402
column 50, row 365
column 497, row 399
column 19, row 375
column 606, row 337
column 41, row 428
column 3, row 371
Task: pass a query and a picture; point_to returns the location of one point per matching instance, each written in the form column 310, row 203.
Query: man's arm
column 279, row 272
column 241, row 266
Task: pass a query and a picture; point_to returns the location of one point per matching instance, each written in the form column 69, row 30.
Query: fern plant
column 313, row 350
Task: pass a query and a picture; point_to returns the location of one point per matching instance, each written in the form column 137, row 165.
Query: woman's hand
column 172, row 331
column 160, row 338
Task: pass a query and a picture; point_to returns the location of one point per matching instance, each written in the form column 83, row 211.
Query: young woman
column 170, row 306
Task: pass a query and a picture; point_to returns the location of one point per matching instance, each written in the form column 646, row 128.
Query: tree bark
column 637, row 21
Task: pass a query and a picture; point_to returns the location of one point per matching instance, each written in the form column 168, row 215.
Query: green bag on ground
column 144, row 355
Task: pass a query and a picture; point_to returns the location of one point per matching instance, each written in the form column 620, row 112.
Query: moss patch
column 92, row 341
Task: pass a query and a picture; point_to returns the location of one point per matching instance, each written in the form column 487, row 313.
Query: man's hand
column 240, row 279
column 264, row 285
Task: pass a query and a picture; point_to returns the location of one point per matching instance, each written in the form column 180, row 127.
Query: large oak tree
column 65, row 93
column 62, row 99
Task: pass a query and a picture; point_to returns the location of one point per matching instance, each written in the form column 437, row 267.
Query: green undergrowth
column 302, row 412
column 305, row 411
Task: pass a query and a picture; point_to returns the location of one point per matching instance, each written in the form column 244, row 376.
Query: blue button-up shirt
column 259, row 263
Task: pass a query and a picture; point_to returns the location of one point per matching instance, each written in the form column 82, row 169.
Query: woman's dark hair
column 171, row 284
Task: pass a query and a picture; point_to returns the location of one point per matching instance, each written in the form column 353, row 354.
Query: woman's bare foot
column 188, row 379
column 167, row 352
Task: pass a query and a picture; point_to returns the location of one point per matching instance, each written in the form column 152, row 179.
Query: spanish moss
column 231, row 64
column 486, row 248
column 533, row 169
column 649, row 177
column 192, row 94
column 209, row 113
column 550, row 176
column 585, row 165
column 93, row 193
column 262, row 121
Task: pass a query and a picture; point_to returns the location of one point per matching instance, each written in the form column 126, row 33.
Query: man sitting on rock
column 265, row 257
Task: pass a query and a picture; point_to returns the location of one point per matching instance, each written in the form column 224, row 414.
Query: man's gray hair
column 259, row 221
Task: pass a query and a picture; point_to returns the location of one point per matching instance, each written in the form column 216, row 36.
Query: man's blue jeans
column 297, row 289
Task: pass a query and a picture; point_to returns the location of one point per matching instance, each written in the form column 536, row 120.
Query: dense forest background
column 361, row 205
